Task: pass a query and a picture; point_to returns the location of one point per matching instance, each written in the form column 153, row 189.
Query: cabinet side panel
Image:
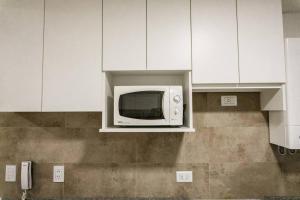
column 277, row 128
column 293, row 81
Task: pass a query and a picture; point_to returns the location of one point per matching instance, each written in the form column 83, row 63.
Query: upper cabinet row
column 146, row 34
column 52, row 52
column 237, row 41
column 224, row 41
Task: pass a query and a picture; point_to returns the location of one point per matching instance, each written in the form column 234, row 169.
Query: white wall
column 291, row 24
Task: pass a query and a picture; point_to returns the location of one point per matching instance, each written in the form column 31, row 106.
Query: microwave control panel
column 176, row 106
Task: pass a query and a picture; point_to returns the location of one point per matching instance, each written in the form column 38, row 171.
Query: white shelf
column 147, row 130
column 145, row 78
column 272, row 96
column 234, row 87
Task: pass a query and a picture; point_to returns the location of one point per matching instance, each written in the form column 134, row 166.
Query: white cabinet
column 146, row 35
column 168, row 35
column 293, row 92
column 261, row 45
column 72, row 55
column 124, row 35
column 214, row 39
column 237, row 41
column 285, row 125
column 21, row 47
column 293, row 81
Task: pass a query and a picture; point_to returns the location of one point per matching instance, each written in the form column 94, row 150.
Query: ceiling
column 290, row 6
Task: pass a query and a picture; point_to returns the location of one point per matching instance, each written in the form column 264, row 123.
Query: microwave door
column 144, row 108
column 166, row 107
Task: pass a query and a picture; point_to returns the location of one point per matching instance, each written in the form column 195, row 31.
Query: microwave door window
column 146, row 105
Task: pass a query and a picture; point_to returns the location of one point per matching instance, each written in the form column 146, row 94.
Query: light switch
column 10, row 173
column 58, row 174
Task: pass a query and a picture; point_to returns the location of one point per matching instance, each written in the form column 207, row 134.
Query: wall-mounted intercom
column 26, row 175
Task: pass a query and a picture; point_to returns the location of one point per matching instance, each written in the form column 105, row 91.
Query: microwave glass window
column 142, row 105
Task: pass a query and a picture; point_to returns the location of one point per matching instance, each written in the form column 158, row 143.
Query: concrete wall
column 291, row 24
column 229, row 154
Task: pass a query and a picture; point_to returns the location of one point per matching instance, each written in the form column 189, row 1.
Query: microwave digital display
column 146, row 105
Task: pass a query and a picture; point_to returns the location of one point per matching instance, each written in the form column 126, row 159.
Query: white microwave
column 148, row 106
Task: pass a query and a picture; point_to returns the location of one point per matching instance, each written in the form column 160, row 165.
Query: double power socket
column 58, row 173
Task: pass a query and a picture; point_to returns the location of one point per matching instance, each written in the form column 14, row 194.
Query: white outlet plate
column 58, row 174
column 10, row 173
column 184, row 176
column 228, row 100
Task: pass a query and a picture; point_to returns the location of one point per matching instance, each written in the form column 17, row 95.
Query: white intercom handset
column 26, row 178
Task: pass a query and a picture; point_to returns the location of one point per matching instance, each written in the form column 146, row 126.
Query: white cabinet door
column 214, row 39
column 21, row 52
column 124, row 35
column 261, row 45
column 168, row 35
column 72, row 55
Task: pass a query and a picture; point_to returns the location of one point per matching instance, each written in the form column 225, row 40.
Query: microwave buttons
column 176, row 111
column 177, row 99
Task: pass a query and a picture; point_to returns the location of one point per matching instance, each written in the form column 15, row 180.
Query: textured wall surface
column 229, row 154
column 291, row 24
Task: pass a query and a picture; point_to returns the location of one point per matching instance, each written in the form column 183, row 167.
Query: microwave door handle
column 163, row 106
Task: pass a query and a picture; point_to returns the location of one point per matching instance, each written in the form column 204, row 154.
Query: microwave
column 148, row 106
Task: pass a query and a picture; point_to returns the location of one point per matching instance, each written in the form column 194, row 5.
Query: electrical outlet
column 58, row 174
column 228, row 100
column 184, row 176
column 10, row 173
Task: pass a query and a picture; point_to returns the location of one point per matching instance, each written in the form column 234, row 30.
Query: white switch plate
column 58, row 174
column 228, row 100
column 10, row 173
column 184, row 176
